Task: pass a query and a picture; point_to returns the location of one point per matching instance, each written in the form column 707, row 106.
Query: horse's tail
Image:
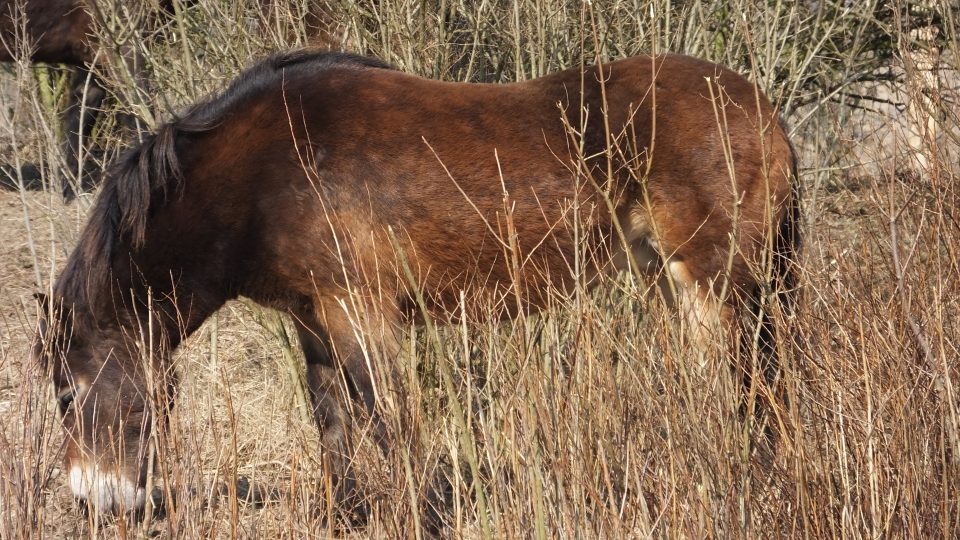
column 777, row 293
column 786, row 246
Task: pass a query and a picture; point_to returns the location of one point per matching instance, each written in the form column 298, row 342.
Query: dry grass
column 592, row 419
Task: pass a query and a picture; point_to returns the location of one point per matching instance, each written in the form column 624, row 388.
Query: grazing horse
column 58, row 32
column 61, row 32
column 358, row 199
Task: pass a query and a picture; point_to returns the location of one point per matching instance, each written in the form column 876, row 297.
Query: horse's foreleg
column 328, row 395
column 78, row 120
column 342, row 375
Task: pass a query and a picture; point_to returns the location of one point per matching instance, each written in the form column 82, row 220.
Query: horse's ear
column 43, row 301
column 43, row 325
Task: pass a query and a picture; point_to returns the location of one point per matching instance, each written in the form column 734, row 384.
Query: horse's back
column 56, row 30
column 468, row 176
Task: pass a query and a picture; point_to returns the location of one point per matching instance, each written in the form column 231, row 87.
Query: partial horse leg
column 711, row 323
column 731, row 323
column 86, row 96
column 759, row 357
column 707, row 318
column 78, row 118
column 27, row 176
column 339, row 379
column 329, row 398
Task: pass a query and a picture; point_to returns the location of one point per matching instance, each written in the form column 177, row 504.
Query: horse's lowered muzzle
column 105, row 491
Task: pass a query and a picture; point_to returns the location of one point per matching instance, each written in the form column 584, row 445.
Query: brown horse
column 56, row 32
column 62, row 32
column 355, row 198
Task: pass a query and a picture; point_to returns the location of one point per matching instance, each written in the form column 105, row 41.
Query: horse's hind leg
column 729, row 325
column 706, row 318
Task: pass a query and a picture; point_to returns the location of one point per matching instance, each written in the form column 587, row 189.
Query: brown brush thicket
column 591, row 420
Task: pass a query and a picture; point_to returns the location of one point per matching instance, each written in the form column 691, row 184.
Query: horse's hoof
column 29, row 176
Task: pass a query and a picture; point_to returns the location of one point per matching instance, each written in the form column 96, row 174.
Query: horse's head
column 99, row 380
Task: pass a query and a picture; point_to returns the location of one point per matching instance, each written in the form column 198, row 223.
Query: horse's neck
column 170, row 274
column 178, row 311
column 152, row 312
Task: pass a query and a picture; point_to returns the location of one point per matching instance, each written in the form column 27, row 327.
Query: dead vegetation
column 592, row 419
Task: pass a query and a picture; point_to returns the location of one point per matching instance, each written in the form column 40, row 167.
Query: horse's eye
column 65, row 399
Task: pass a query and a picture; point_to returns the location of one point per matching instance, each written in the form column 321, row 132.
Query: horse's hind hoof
column 29, row 175
column 253, row 493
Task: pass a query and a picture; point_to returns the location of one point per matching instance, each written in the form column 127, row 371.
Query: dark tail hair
column 781, row 289
column 787, row 245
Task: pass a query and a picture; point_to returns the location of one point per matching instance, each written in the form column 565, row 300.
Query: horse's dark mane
column 152, row 168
